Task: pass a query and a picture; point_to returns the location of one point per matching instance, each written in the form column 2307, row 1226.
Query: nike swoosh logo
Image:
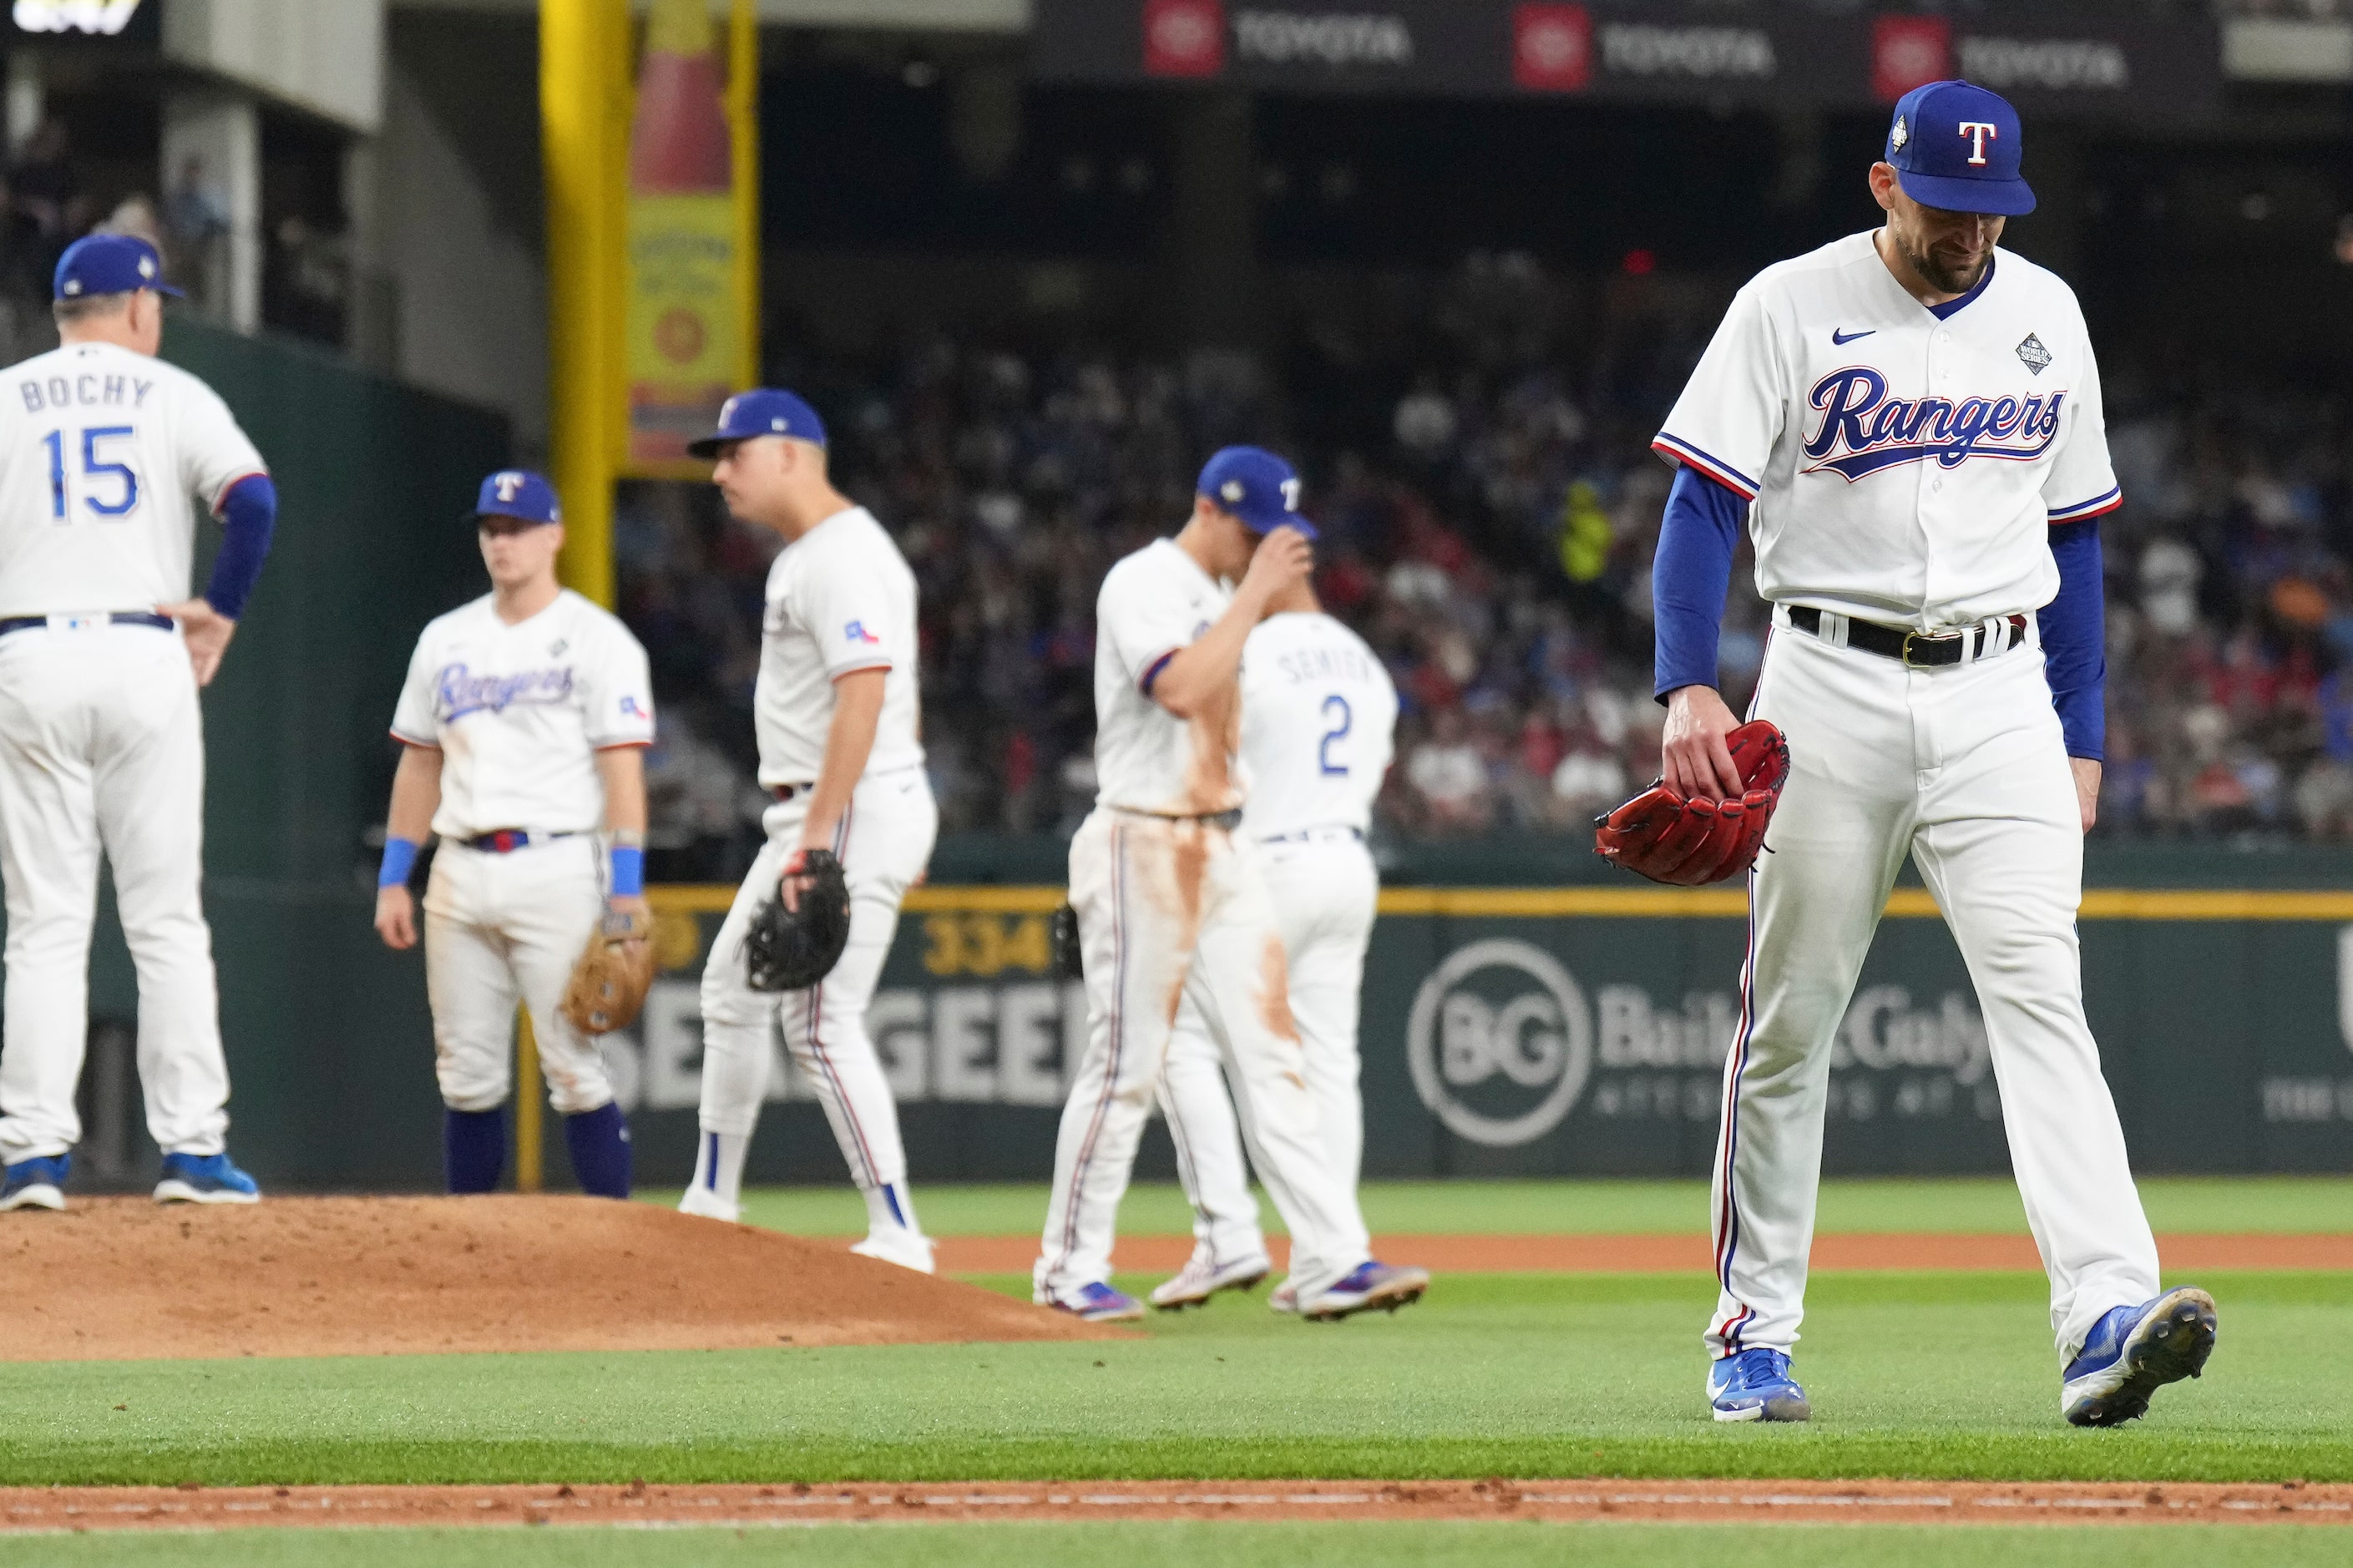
column 1844, row 338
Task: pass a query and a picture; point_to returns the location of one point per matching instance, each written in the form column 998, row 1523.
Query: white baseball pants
column 1170, row 912
column 884, row 843
column 1964, row 768
column 102, row 747
column 503, row 927
column 1324, row 887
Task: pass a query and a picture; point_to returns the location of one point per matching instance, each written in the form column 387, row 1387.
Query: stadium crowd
column 1492, row 540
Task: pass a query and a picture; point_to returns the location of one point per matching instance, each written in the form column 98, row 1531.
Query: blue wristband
column 628, row 871
column 400, row 860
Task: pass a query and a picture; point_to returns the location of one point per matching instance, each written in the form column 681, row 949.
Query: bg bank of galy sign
column 1500, row 1039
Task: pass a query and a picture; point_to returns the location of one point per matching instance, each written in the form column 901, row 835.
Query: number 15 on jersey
column 109, row 488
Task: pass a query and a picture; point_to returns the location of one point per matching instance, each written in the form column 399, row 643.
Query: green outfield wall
column 1583, row 1029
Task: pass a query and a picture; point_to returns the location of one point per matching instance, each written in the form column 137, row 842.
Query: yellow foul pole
column 584, row 103
column 583, row 107
column 743, row 123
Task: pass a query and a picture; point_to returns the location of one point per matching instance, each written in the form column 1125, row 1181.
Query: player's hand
column 1694, row 761
column 633, row 905
column 396, row 918
column 205, row 631
column 2087, row 788
column 790, row 883
column 1283, row 559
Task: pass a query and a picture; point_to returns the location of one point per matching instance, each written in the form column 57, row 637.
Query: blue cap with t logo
column 1257, row 487
column 1956, row 146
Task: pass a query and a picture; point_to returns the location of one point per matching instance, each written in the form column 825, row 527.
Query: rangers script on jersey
column 103, row 448
column 1154, row 604
column 1904, row 461
column 1319, row 713
column 840, row 599
column 517, row 712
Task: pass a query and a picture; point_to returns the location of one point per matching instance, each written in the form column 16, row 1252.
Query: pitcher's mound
column 123, row 1279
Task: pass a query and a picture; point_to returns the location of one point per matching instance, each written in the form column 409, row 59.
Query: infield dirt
column 122, row 1278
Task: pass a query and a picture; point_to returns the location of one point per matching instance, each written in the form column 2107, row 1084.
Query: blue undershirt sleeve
column 2074, row 642
column 248, row 517
column 1691, row 575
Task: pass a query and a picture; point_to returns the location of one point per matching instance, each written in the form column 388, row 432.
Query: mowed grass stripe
column 1553, row 1207
column 1929, row 1376
column 1189, row 1545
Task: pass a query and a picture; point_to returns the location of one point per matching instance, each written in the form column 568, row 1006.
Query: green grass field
column 1922, row 1375
column 1188, row 1545
column 1622, row 1207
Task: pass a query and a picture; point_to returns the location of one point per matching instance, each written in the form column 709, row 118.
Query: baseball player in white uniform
column 523, row 726
column 1909, row 423
column 838, row 714
column 101, row 740
column 1171, row 911
column 1319, row 720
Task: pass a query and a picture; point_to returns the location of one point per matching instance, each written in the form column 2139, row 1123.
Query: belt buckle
column 1910, row 638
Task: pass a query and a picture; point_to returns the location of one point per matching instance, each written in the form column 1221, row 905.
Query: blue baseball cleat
column 1755, row 1385
column 205, row 1179
column 2133, row 1352
column 1099, row 1304
column 36, row 1184
column 1369, row 1286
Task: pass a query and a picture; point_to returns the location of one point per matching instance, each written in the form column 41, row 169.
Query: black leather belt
column 1311, row 834
column 507, row 840
column 108, row 617
column 786, row 792
column 1917, row 649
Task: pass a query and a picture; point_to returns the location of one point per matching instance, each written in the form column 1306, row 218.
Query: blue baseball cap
column 518, row 493
column 1257, row 487
column 110, row 264
column 762, row 411
column 1956, row 146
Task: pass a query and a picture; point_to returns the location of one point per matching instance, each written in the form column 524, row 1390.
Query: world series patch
column 2033, row 353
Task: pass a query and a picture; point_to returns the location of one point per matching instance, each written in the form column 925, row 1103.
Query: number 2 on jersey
column 1335, row 704
column 94, row 467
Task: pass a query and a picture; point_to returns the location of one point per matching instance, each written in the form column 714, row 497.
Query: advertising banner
column 690, row 315
column 1583, row 1031
column 2092, row 58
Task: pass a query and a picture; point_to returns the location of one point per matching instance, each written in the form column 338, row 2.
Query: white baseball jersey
column 840, row 599
column 1154, row 604
column 1905, row 459
column 101, row 450
column 518, row 711
column 1319, row 720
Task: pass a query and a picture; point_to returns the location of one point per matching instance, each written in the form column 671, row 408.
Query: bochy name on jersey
column 85, row 390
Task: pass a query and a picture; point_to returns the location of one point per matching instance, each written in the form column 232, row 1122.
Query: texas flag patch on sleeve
column 856, row 632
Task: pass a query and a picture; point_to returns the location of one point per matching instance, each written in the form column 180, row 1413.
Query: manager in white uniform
column 1319, row 723
column 101, row 738
column 838, row 714
column 1909, row 423
column 1171, row 911
column 523, row 725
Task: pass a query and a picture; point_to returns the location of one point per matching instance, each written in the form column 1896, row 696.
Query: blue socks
column 599, row 1140
column 474, row 1149
column 474, row 1145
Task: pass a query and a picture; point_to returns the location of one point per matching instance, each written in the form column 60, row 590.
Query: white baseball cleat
column 1203, row 1277
column 708, row 1205
column 1284, row 1297
column 897, row 1244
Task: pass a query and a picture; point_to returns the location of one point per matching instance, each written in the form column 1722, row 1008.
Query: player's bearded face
column 1949, row 250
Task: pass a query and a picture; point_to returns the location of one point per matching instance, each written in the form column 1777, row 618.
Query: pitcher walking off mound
column 1171, row 911
column 101, row 738
column 521, row 727
column 1319, row 717
column 1909, row 421
column 837, row 711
